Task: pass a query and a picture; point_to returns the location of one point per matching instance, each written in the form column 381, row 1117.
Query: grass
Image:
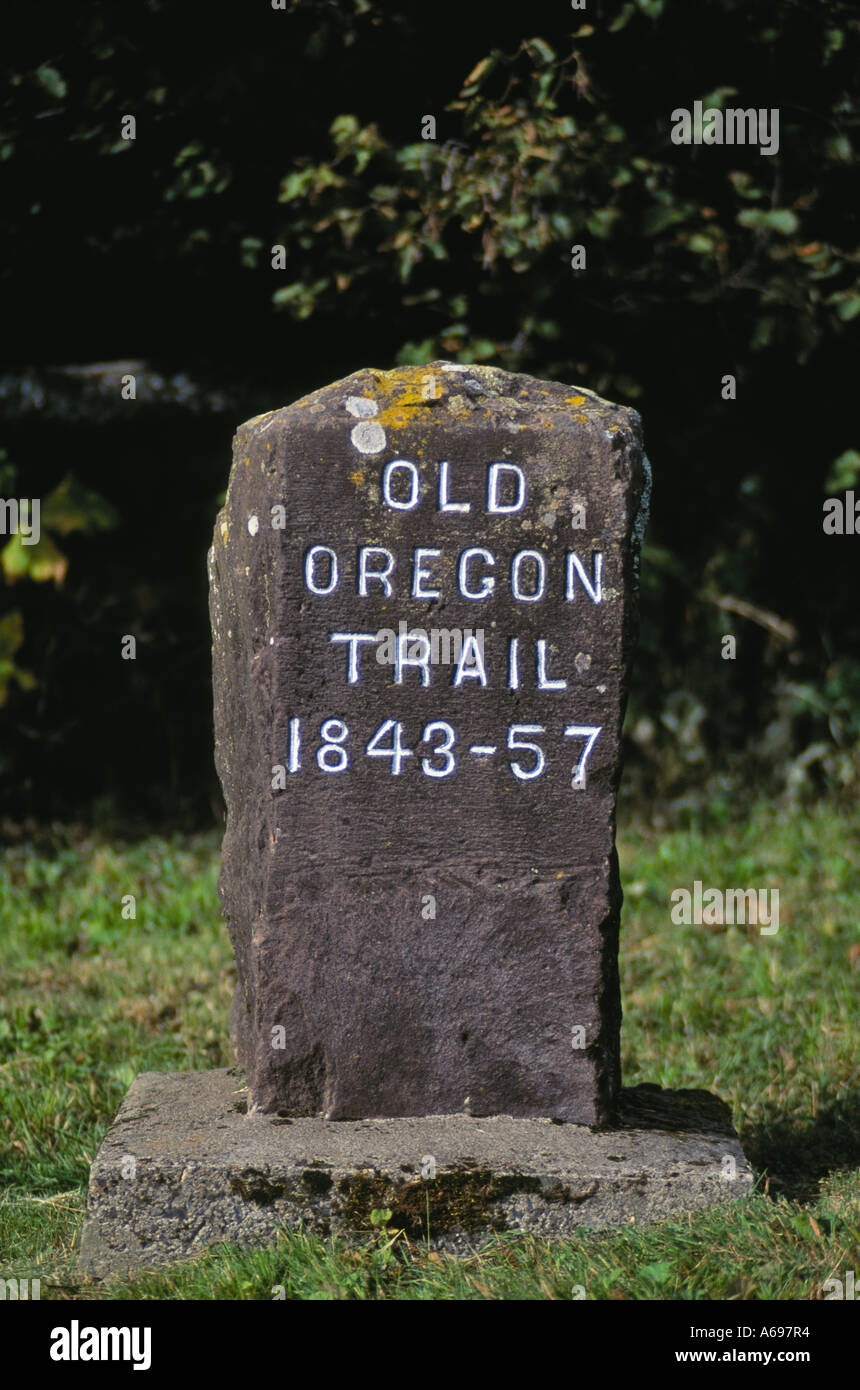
column 91, row 997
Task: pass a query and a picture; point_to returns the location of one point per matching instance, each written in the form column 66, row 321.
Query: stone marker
column 423, row 603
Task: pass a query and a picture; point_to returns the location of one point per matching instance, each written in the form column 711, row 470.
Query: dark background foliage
column 301, row 128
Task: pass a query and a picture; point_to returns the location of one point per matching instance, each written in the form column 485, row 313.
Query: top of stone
column 473, row 393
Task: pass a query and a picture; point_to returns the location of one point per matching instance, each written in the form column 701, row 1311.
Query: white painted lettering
column 404, row 658
column 366, row 574
column 516, row 588
column 471, row 663
column 488, row 582
column 310, row 567
column 543, row 681
column 445, row 505
column 494, row 475
column 353, row 638
column 414, row 485
column 594, row 586
column 419, row 574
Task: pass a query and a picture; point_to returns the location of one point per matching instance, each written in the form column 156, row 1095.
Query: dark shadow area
column 797, row 1154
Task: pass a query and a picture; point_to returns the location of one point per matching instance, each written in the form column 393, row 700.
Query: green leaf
column 657, row 219
column 626, row 14
column 51, row 80
column 600, row 222
column 717, row 98
column 187, row 152
column 700, row 245
column 14, row 560
column 39, row 562
column 294, row 185
column 11, row 634
column 779, row 219
column 782, row 220
column 834, row 39
column 71, row 507
column 844, row 472
column 743, row 185
column 299, row 297
column 848, row 306
column 839, row 147
column 46, row 561
column 751, row 217
column 343, row 129
column 542, row 48
column 416, row 354
column 11, row 637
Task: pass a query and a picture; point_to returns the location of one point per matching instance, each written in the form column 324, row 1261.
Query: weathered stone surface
column 206, row 1171
column 331, row 878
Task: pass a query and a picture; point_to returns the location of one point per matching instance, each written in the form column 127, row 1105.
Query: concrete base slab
column 184, row 1166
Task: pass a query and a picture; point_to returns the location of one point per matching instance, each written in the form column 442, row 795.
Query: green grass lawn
column 90, row 998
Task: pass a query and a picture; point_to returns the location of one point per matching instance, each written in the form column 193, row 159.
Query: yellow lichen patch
column 357, row 477
column 574, row 400
column 399, row 391
column 397, row 415
column 406, row 378
column 225, row 531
